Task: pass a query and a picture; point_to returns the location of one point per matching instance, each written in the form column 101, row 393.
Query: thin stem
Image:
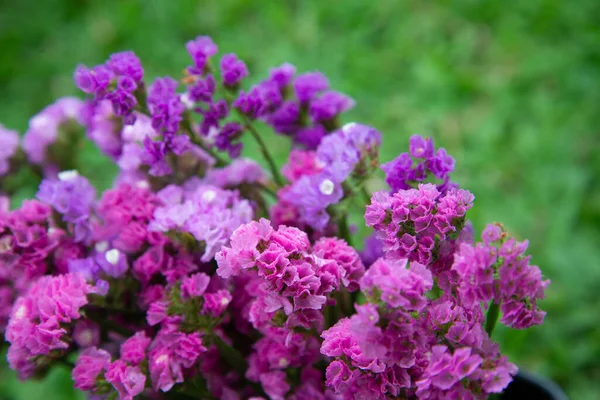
column 66, row 363
column 343, row 229
column 365, row 195
column 267, row 190
column 492, row 317
column 265, row 152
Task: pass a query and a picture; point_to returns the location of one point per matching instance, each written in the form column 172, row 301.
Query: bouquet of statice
column 200, row 274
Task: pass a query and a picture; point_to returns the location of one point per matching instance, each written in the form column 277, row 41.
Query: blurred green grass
column 511, row 90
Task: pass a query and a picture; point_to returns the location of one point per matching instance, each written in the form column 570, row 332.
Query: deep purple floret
column 233, row 70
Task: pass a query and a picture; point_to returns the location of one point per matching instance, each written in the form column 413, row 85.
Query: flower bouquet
column 200, row 274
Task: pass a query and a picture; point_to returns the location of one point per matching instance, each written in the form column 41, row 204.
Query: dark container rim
column 529, row 386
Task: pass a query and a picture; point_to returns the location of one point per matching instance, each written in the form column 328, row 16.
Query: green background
column 511, row 89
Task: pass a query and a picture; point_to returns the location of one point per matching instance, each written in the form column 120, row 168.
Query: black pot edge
column 554, row 391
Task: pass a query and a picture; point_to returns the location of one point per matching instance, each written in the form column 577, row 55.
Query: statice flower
column 172, row 284
column 411, row 223
column 200, row 49
column 27, row 245
column 345, row 256
column 169, row 355
column 52, row 132
column 233, row 70
column 116, row 80
column 329, row 105
column 72, row 196
column 311, row 195
column 295, row 279
column 90, row 366
column 396, row 285
column 125, row 212
column 133, row 350
column 227, row 139
column 210, row 214
column 301, row 163
column 353, row 148
column 277, row 352
column 309, row 84
column 39, row 321
column 497, row 270
column 10, row 144
column 165, row 107
column 421, row 164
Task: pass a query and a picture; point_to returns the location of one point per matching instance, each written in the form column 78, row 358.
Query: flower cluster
column 497, row 270
column 413, row 223
column 421, row 164
column 172, row 283
column 115, row 80
column 293, row 280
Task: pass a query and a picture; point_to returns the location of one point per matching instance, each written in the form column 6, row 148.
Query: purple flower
column 10, row 143
column 309, row 84
column 398, row 285
column 194, row 285
column 35, row 326
column 210, row 214
column 123, row 70
column 201, row 49
column 233, row 70
column 282, row 75
column 329, row 105
column 409, row 222
column 112, row 262
column 216, row 303
column 202, row 89
column 347, row 259
column 301, row 163
column 127, row 380
column 349, row 149
column 92, row 362
column 126, row 64
column 72, row 196
column 403, row 172
column 498, row 271
column 169, row 354
column 133, row 350
column 229, row 134
column 311, row 195
column 165, row 106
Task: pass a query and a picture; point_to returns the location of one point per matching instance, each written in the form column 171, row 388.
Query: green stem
column 230, row 355
column 265, row 152
column 366, row 195
column 267, row 190
column 235, row 360
column 492, row 317
column 343, row 229
column 66, row 363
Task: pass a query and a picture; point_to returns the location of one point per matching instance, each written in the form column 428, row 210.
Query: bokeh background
column 512, row 90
